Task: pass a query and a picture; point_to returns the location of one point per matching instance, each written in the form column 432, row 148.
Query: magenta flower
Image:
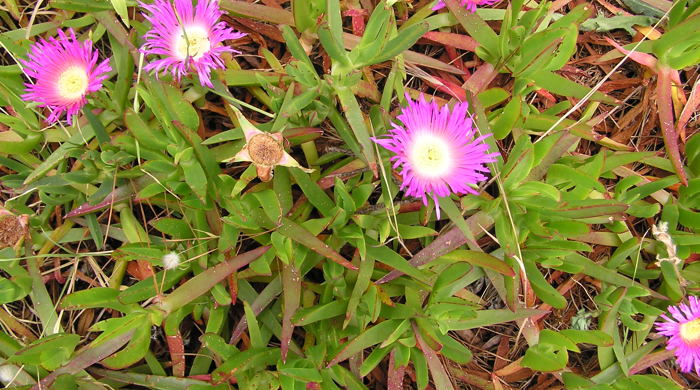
column 437, row 150
column 190, row 37
column 470, row 5
column 64, row 70
column 683, row 331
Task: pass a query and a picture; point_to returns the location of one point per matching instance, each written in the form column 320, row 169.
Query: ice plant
column 683, row 331
column 470, row 5
column 189, row 37
column 437, row 150
column 64, row 70
column 263, row 149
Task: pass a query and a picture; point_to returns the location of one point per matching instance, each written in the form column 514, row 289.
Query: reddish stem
column 664, row 103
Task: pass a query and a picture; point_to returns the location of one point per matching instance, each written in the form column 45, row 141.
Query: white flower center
column 192, row 41
column 430, row 156
column 690, row 332
column 73, row 83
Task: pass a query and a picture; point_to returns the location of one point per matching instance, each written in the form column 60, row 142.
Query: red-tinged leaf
column 358, row 20
column 115, row 196
column 87, row 357
column 205, row 281
column 480, row 80
column 177, row 354
column 664, row 103
column 593, row 208
column 447, row 242
column 345, row 172
column 150, row 381
column 448, row 87
column 291, row 290
column 645, row 59
column 233, row 287
column 651, row 359
column 304, row 237
column 437, row 370
column 299, row 135
column 395, row 374
column 458, row 41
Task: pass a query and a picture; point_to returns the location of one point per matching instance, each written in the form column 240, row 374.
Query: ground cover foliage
column 137, row 253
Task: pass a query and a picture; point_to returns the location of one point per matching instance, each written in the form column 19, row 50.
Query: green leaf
column 334, row 48
column 361, row 284
column 96, row 297
column 299, row 234
column 545, row 357
column 256, row 340
column 366, row 339
column 15, row 288
column 270, row 204
column 177, row 228
column 542, row 288
column 146, row 288
column 480, row 259
column 314, row 193
column 49, row 351
column 58, row 155
column 394, row 260
column 195, row 176
column 356, row 119
column 316, row 313
column 136, row 348
column 519, row 164
column 306, row 12
column 406, row 38
column 492, row 96
column 565, row 87
column 492, row 317
column 595, row 337
column 205, row 281
column 508, row 118
column 477, row 29
column 455, row 215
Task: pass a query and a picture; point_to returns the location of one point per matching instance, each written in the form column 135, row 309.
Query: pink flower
column 470, row 5
column 683, row 331
column 437, row 150
column 190, row 37
column 64, row 70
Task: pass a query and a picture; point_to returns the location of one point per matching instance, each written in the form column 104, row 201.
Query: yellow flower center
column 73, row 83
column 690, row 332
column 192, row 42
column 430, row 156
